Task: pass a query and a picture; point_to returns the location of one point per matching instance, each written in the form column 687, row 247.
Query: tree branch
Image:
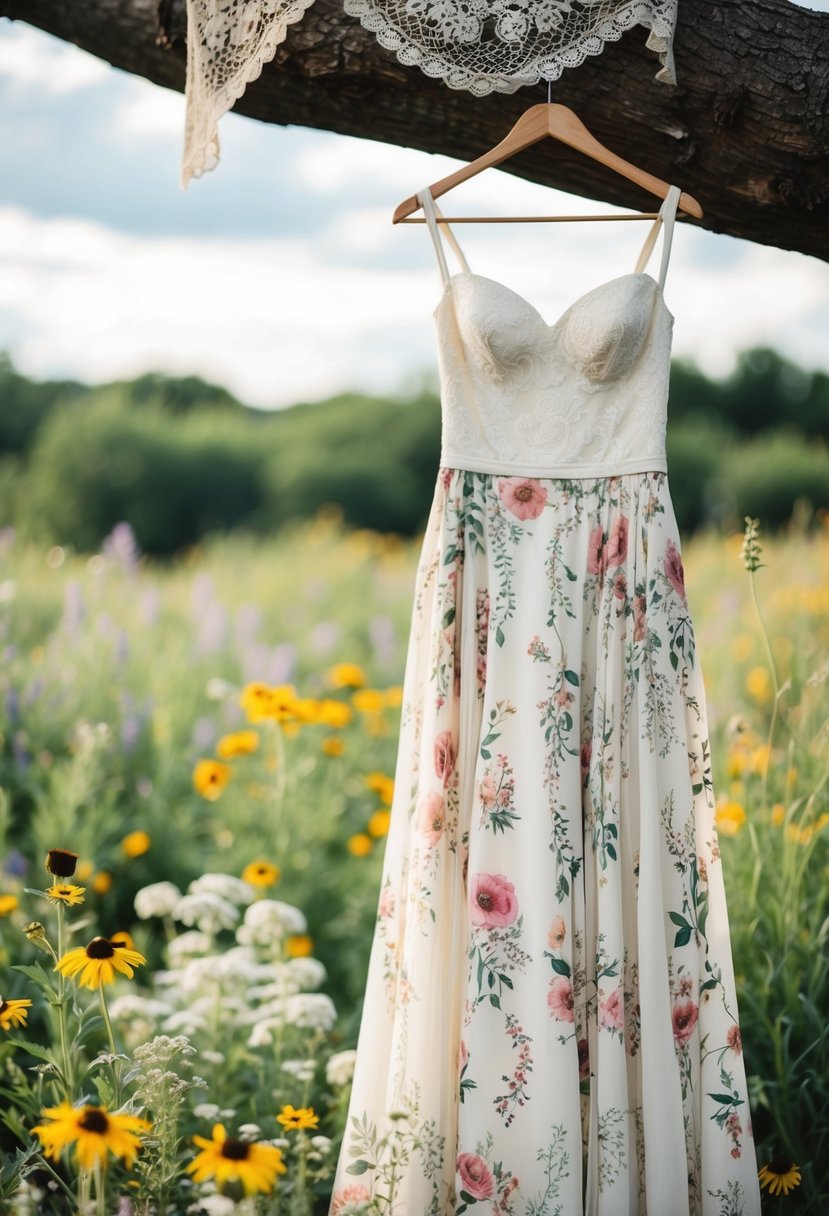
column 746, row 130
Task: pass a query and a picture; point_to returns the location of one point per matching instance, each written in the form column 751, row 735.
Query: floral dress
column 550, row 1025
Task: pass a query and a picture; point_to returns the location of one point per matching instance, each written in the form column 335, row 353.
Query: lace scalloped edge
column 549, row 67
column 203, row 111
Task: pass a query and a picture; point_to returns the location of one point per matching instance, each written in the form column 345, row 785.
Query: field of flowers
column 196, row 769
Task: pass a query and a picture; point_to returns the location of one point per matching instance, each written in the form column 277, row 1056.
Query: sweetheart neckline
column 469, row 274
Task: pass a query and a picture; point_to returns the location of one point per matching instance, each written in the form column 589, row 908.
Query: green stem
column 116, row 1071
column 100, row 1191
column 44, row 1164
column 773, row 666
column 64, row 1046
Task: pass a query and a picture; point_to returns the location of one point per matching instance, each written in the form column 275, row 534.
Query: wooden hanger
column 536, row 123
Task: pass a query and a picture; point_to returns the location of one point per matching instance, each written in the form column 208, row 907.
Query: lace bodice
column 586, row 395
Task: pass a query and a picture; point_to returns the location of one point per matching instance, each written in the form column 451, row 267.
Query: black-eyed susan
column 61, row 862
column 99, row 962
column 224, row 1159
column 136, row 844
column 299, row 945
column 378, row 824
column 781, row 1176
column 368, row 701
column 8, row 903
column 359, row 845
column 122, row 940
column 210, row 778
column 13, row 1013
column 382, row 785
column 66, row 893
column 240, row 743
column 93, row 1130
column 332, row 746
column 261, row 874
column 346, row 675
column 256, row 701
column 102, row 882
column 293, row 1119
column 335, row 714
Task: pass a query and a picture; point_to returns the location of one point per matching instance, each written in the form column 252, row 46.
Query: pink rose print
column 640, row 624
column 584, row 1059
column 735, row 1039
column 446, row 477
column 385, row 908
column 356, row 1193
column 445, row 756
column 596, row 560
column 493, row 900
column 524, row 496
column 612, row 1011
column 684, row 1017
column 617, row 545
column 674, row 569
column 476, row 1179
column 560, row 998
column 431, row 817
column 620, row 586
column 557, row 933
column 585, row 754
column 488, row 791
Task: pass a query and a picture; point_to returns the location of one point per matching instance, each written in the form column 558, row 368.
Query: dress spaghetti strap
column 666, row 217
column 431, row 211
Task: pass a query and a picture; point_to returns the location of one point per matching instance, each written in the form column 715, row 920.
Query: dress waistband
column 569, row 471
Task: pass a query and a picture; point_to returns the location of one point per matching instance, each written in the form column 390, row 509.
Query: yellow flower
column 299, row 945
column 98, row 962
column 94, row 1132
column 242, row 743
column 381, row 785
column 368, row 701
column 758, row 684
column 800, row 834
column 778, row 814
column 730, row 817
column 13, row 1013
column 8, row 903
column 66, row 893
column 359, row 844
column 737, row 760
column 61, row 862
column 210, row 777
column 102, row 882
column 307, row 709
column 394, row 696
column 136, row 844
column 780, row 1176
column 333, row 746
column 378, row 824
column 264, row 702
column 760, row 758
column 254, row 1165
column 261, row 874
column 346, row 675
column 293, row 1119
column 84, row 871
column 335, row 714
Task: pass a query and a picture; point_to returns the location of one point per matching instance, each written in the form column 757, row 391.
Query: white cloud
column 30, row 60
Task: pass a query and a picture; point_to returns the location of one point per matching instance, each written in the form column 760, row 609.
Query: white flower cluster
column 267, row 921
column 340, row 1067
column 158, row 899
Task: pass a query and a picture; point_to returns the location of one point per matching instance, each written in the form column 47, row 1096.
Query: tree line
column 180, row 458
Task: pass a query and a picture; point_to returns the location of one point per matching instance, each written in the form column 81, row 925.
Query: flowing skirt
column 550, row 1022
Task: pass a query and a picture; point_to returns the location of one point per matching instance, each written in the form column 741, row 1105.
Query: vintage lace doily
column 483, row 46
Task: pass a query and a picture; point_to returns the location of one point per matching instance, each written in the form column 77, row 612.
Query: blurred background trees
column 180, row 458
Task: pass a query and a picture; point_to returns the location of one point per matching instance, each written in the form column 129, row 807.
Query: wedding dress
column 550, row 1021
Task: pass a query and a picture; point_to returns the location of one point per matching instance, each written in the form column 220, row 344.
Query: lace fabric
column 482, row 46
column 228, row 44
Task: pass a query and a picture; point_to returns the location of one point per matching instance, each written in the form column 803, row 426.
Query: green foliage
column 767, row 476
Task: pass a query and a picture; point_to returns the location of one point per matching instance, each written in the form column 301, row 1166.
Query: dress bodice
column 586, row 395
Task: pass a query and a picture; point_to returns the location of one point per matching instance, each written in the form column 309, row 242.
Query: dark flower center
column 61, row 862
column 780, row 1165
column 94, row 1120
column 524, row 493
column 63, row 891
column 235, row 1150
column 3, row 1005
column 99, row 947
column 484, row 901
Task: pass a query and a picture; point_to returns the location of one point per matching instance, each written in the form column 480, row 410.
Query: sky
column 279, row 274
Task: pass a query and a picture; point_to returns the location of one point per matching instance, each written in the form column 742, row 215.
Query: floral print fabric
column 550, row 1023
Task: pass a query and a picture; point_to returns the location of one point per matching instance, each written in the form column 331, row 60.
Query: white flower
column 206, row 1110
column 130, row 1005
column 188, row 944
column 309, row 973
column 186, row 1020
column 267, row 921
column 311, row 1010
column 213, row 1057
column 262, row 1033
column 158, row 899
column 303, row 1070
column 250, row 1130
column 208, row 911
column 340, row 1067
column 321, row 1143
column 213, row 1205
column 226, row 886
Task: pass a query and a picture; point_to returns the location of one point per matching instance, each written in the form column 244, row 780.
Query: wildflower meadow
column 196, row 773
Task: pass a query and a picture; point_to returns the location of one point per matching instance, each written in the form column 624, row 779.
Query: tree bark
column 746, row 130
